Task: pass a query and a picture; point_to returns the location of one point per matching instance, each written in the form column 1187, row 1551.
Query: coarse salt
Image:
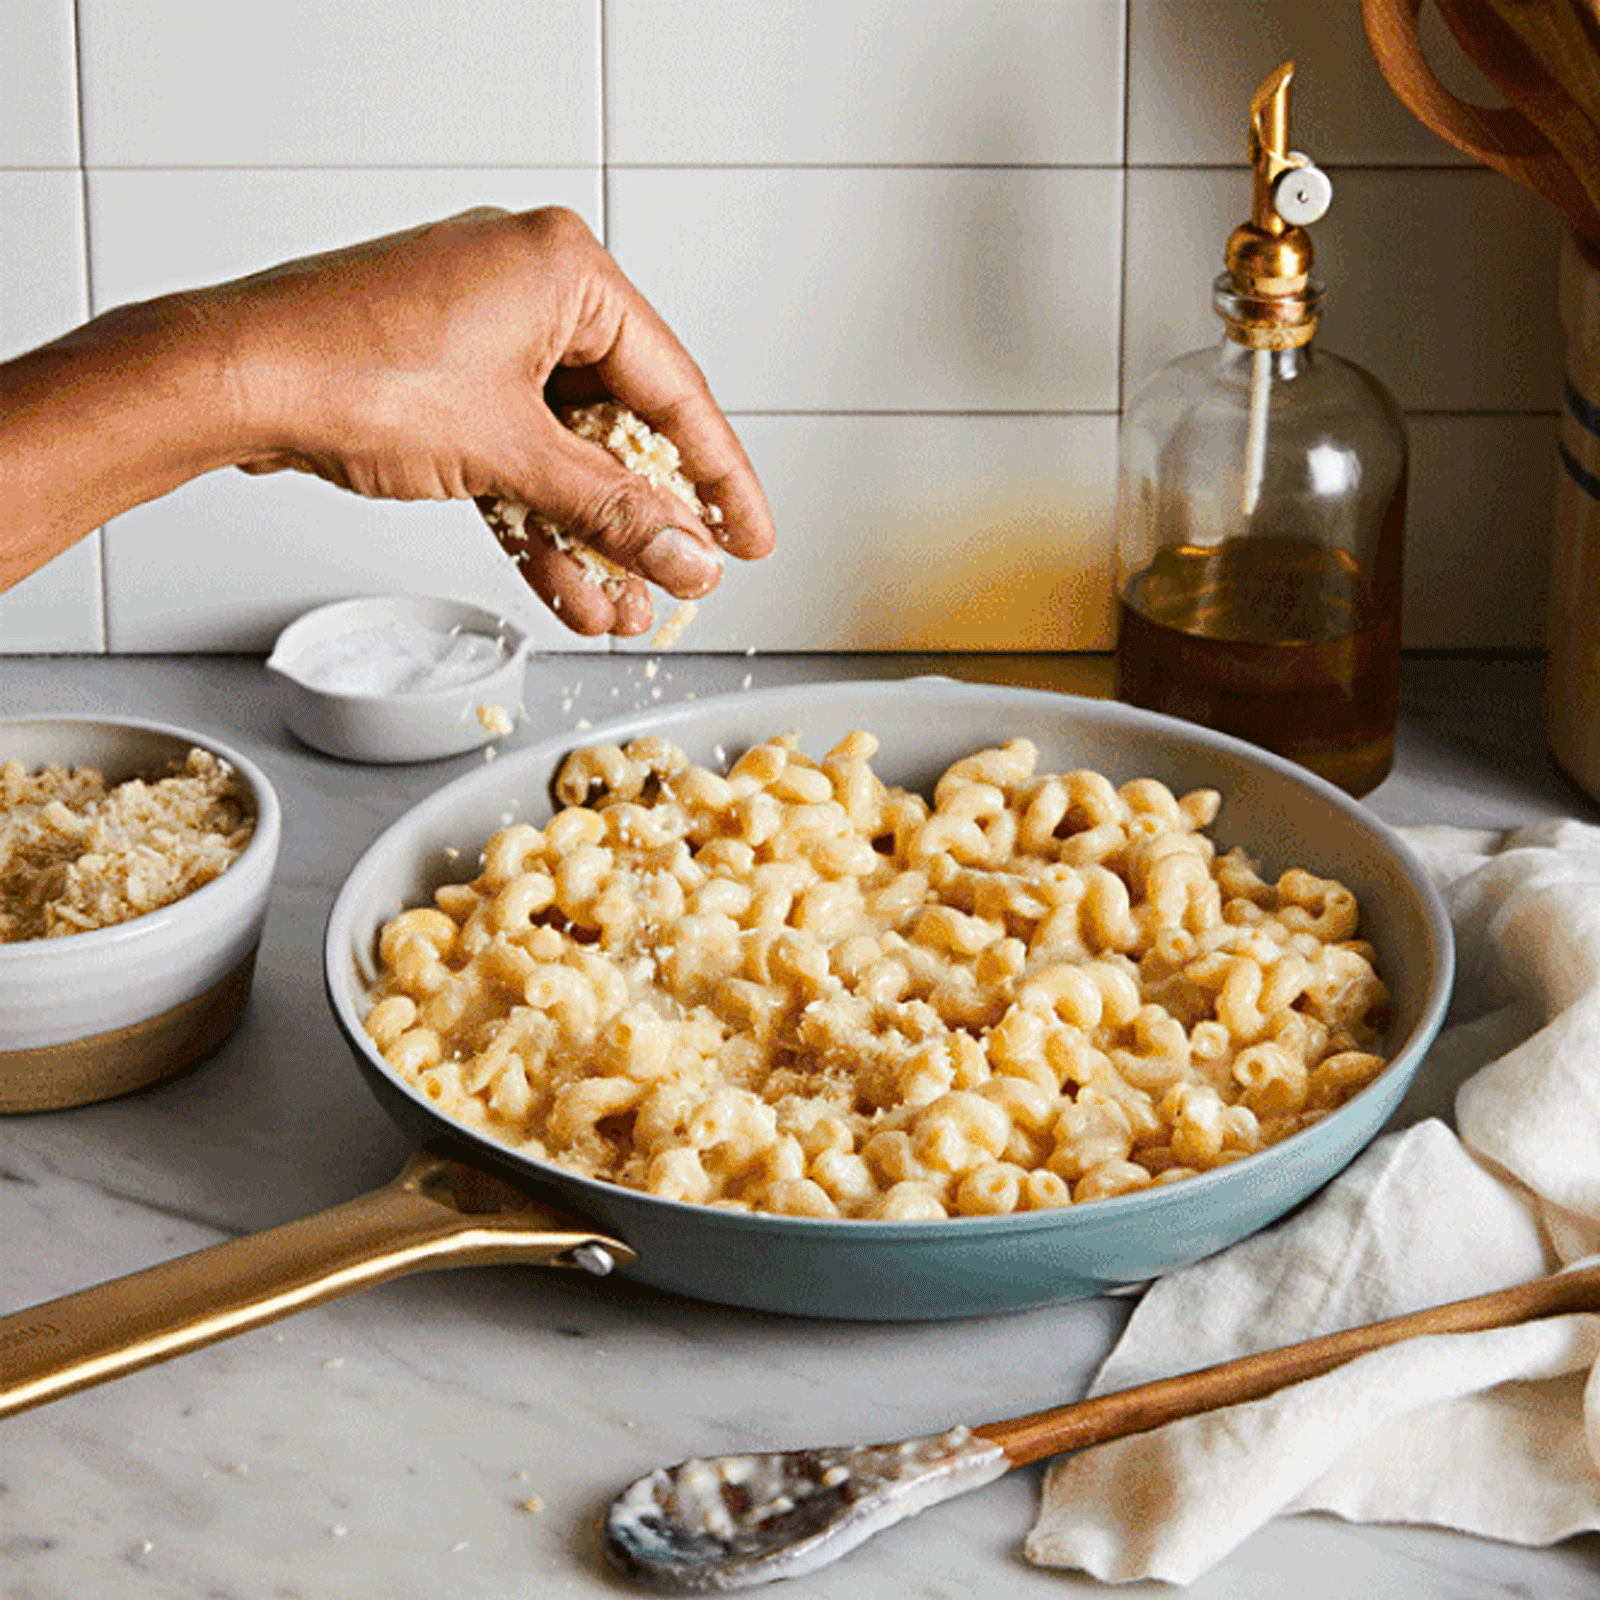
column 396, row 657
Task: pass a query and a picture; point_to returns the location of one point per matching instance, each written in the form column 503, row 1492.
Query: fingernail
column 680, row 563
column 634, row 612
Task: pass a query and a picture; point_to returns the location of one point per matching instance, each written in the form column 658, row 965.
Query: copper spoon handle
column 1114, row 1416
column 437, row 1213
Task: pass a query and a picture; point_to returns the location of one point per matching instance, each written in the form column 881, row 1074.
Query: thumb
column 585, row 494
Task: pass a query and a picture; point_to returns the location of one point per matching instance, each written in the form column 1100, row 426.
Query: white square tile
column 224, row 563
column 1192, row 69
column 923, row 533
column 864, row 82
column 218, row 83
column 1478, row 532
column 882, row 289
column 38, row 84
column 155, row 231
column 56, row 610
column 43, row 258
column 1441, row 282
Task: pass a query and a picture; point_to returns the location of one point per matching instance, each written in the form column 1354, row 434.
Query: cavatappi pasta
column 790, row 987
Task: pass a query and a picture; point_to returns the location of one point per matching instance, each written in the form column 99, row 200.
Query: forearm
column 412, row 367
column 116, row 413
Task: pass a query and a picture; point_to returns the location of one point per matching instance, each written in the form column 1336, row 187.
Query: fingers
column 725, row 480
column 589, row 495
column 715, row 461
column 651, row 373
column 640, row 362
column 582, row 598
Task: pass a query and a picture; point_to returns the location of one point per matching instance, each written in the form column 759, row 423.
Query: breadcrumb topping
column 650, row 455
column 76, row 855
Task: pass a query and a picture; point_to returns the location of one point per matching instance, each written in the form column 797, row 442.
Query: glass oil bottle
column 1261, row 509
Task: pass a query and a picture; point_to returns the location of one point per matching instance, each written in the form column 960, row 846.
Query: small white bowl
column 341, row 697
column 91, row 1015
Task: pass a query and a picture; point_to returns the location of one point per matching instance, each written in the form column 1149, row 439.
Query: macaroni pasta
column 790, row 987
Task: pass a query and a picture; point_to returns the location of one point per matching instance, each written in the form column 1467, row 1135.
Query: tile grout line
column 89, row 293
column 1356, row 168
column 611, row 646
column 1112, row 560
column 1122, row 246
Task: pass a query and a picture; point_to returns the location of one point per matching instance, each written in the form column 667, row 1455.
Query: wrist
column 203, row 343
column 163, row 373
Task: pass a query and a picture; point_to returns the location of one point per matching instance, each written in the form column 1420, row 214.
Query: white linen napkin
column 1493, row 1433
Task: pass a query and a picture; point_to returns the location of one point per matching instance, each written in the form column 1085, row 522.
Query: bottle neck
column 1280, row 321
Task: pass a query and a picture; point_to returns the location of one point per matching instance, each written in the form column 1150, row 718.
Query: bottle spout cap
column 1270, row 295
column 1288, row 190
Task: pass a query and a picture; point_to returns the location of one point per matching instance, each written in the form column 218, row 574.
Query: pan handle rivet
column 592, row 1258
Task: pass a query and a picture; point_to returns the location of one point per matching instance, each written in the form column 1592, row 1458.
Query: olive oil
column 1274, row 640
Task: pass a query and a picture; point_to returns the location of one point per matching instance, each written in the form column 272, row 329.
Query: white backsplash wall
column 923, row 250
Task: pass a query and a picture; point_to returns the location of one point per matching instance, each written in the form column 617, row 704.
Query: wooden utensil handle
column 437, row 1213
column 1113, row 1416
column 1497, row 136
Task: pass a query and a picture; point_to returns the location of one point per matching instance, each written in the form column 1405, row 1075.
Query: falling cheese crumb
column 494, row 720
column 671, row 630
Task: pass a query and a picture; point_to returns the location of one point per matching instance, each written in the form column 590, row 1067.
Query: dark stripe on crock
column 1583, row 408
column 1580, row 475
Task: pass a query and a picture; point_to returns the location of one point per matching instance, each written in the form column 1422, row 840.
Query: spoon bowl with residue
column 733, row 1522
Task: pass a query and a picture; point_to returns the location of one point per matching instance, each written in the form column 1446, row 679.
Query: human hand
column 428, row 365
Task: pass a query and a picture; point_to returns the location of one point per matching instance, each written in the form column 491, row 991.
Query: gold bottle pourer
column 1268, row 297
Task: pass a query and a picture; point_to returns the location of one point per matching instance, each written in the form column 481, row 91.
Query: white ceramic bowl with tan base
column 92, row 1015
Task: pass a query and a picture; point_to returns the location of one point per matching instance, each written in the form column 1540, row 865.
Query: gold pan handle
column 436, row 1213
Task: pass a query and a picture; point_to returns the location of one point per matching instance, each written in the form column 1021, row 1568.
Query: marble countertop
column 456, row 1434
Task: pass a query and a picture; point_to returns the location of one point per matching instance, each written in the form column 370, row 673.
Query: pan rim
column 1153, row 1201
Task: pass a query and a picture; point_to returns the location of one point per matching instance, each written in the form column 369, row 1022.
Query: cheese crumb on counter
column 494, row 720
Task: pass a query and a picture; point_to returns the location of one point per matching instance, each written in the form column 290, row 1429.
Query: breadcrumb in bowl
column 128, row 923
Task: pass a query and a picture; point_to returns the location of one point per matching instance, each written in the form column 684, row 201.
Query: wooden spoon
column 1563, row 36
column 1499, row 50
column 732, row 1522
column 1499, row 136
